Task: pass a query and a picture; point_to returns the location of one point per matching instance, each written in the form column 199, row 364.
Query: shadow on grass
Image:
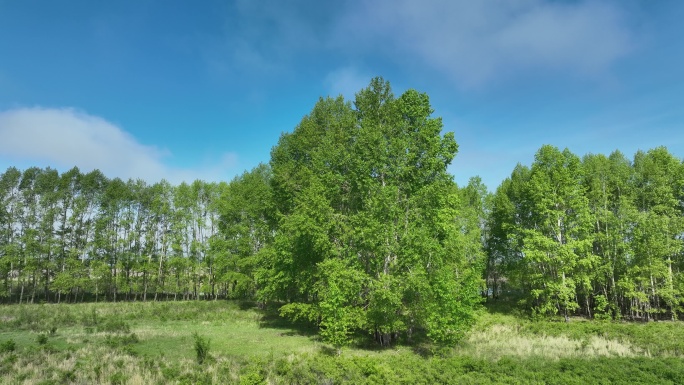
column 328, row 351
column 419, row 343
column 425, row 348
column 246, row 304
column 271, row 319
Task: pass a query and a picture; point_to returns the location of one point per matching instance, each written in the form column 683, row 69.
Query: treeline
column 76, row 236
column 356, row 226
column 600, row 236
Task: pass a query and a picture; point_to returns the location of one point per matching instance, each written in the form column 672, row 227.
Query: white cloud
column 473, row 42
column 63, row 138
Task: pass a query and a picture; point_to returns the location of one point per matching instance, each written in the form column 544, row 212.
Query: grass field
column 155, row 343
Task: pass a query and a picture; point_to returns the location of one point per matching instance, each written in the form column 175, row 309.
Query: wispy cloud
column 264, row 38
column 346, row 81
column 65, row 137
column 470, row 42
column 474, row 42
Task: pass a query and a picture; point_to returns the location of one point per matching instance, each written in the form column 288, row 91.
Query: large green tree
column 368, row 231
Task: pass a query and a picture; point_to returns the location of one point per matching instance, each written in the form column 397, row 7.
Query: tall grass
column 98, row 365
column 502, row 341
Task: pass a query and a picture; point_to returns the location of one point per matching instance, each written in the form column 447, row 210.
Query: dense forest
column 355, row 225
column 600, row 236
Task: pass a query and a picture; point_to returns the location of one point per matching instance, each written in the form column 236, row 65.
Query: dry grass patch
column 503, row 340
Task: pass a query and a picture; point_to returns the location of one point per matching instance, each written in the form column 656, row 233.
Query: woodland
column 356, row 231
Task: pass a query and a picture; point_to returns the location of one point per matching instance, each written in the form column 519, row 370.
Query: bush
column 201, row 348
column 42, row 339
column 8, row 346
column 121, row 341
column 118, row 378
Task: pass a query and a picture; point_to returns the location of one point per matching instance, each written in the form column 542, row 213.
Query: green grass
column 154, row 343
column 163, row 328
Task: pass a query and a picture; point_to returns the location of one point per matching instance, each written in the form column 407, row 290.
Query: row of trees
column 599, row 236
column 80, row 236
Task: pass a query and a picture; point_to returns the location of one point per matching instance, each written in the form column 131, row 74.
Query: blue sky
column 184, row 90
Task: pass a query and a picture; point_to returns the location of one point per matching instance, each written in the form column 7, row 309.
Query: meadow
column 217, row 342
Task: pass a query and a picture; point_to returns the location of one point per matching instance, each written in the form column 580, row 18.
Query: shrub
column 171, row 372
column 201, row 348
column 121, row 341
column 42, row 339
column 118, row 378
column 8, row 346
